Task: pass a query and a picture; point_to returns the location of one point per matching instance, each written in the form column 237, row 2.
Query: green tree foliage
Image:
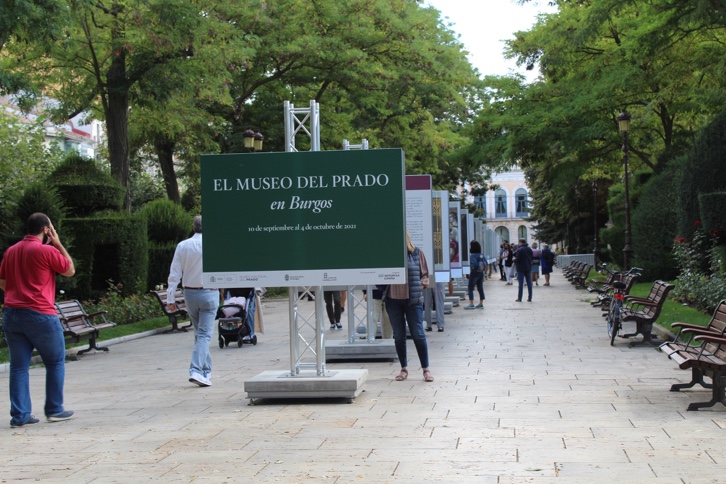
column 22, row 22
column 596, row 58
column 24, row 159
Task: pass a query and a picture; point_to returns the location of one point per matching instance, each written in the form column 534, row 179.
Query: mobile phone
column 46, row 239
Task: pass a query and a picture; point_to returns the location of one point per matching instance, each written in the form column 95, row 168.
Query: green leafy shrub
column 702, row 281
column 85, row 188
column 124, row 309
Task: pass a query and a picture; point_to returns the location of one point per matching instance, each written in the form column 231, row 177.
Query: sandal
column 403, row 375
column 427, row 376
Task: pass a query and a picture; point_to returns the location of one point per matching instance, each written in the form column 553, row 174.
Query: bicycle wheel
column 609, row 316
column 615, row 325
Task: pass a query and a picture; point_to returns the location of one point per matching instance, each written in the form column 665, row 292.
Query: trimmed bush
column 166, row 221
column 40, row 197
column 160, row 257
column 654, row 227
column 109, row 248
column 703, row 172
column 85, row 188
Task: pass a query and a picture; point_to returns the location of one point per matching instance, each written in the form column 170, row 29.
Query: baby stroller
column 237, row 318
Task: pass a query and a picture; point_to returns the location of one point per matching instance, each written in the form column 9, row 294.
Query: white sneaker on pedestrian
column 338, row 326
column 199, row 379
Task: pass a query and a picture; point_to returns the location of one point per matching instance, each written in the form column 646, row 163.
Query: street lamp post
column 596, row 249
column 252, row 140
column 624, row 125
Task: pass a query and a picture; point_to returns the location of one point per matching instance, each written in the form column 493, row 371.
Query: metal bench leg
column 717, row 393
column 92, row 346
column 645, row 330
column 696, row 378
column 175, row 326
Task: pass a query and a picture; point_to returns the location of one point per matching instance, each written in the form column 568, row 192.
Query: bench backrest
column 718, row 321
column 178, row 299
column 72, row 315
column 660, row 290
column 629, row 281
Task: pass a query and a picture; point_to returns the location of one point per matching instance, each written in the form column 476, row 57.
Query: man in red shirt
column 30, row 320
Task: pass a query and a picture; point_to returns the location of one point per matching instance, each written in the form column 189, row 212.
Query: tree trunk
column 117, row 124
column 165, row 152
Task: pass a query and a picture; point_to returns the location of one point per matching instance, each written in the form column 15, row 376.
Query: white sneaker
column 199, row 379
column 338, row 326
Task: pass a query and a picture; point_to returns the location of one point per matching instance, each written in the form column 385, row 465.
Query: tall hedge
column 654, row 226
column 86, row 188
column 109, row 247
column 703, row 172
column 167, row 224
column 712, row 207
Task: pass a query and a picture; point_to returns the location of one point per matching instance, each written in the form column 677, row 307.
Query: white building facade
column 507, row 207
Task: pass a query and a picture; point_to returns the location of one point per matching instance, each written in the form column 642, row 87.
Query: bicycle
column 616, row 302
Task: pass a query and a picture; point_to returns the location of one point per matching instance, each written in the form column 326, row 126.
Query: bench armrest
column 685, row 326
column 702, row 331
column 628, row 298
column 719, row 340
column 97, row 313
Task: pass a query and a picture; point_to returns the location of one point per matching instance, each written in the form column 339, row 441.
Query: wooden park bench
column 645, row 311
column 574, row 267
column 80, row 326
column 684, row 341
column 605, row 292
column 703, row 350
column 174, row 316
column 579, row 279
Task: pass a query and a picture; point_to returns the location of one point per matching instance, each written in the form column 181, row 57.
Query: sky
column 484, row 24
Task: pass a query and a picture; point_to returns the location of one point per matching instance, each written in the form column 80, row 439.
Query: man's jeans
column 400, row 313
column 521, row 277
column 202, row 305
column 26, row 330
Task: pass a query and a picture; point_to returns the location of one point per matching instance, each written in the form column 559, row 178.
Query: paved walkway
column 523, row 393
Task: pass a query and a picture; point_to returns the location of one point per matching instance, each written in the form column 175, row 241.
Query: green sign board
column 303, row 219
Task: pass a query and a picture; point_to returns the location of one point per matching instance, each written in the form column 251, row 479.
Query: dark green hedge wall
column 109, row 247
column 654, row 226
column 703, row 172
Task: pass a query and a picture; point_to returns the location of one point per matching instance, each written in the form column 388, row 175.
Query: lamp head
column 624, row 122
column 249, row 138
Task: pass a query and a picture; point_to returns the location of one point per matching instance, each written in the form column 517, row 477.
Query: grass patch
column 111, row 333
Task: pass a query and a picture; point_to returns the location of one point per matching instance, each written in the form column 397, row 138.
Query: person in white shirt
column 202, row 303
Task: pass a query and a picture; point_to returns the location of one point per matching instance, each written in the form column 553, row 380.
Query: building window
column 502, row 232
column 480, row 202
column 500, row 204
column 522, row 205
column 522, row 232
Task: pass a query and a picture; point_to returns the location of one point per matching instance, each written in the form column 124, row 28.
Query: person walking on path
column 202, row 303
column 536, row 253
column 30, row 319
column 547, row 260
column 523, row 261
column 332, row 307
column 477, row 264
column 434, row 296
column 404, row 303
column 507, row 258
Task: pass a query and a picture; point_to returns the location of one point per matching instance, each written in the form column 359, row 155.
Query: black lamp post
column 252, row 140
column 596, row 249
column 624, row 124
